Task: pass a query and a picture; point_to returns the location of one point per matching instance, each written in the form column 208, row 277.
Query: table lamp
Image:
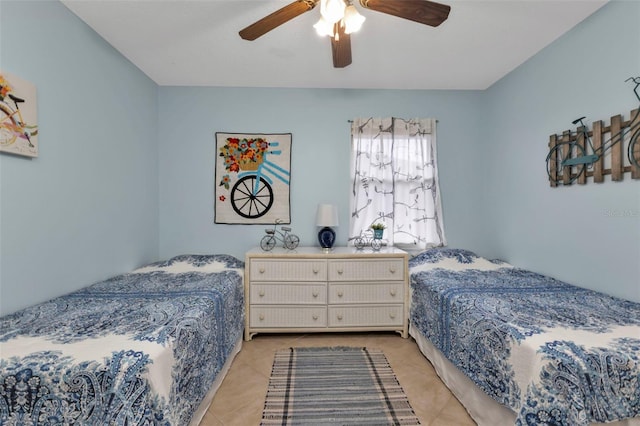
column 326, row 217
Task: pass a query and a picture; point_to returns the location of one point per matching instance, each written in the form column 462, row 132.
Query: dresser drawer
column 308, row 290
column 288, row 270
column 366, row 270
column 389, row 292
column 288, row 316
column 363, row 316
column 290, row 293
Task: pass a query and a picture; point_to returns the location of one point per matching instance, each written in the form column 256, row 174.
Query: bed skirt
column 483, row 409
column 208, row 398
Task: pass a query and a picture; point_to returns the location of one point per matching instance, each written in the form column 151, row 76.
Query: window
column 395, row 181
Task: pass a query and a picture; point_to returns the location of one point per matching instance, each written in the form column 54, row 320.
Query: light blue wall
column 87, row 207
column 317, row 118
column 492, row 147
column 125, row 173
column 587, row 235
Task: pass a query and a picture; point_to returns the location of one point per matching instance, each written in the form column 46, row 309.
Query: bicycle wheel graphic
column 558, row 154
column 7, row 135
column 268, row 242
column 634, row 149
column 291, row 241
column 246, row 203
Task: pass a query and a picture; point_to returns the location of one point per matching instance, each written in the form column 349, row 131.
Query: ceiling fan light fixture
column 340, row 18
column 352, row 19
column 332, row 10
column 324, row 28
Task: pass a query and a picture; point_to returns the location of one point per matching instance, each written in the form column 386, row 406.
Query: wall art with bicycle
column 252, row 175
column 18, row 116
column 611, row 150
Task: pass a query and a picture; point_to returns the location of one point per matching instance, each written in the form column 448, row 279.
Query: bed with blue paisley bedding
column 143, row 348
column 517, row 347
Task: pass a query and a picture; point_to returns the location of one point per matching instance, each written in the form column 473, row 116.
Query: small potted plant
column 378, row 230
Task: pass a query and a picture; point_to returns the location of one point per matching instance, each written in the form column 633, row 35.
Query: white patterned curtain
column 395, row 181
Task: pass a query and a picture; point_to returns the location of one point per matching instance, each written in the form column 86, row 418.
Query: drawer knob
column 316, row 270
column 392, row 269
column 261, row 317
column 339, row 316
column 392, row 315
column 393, row 291
column 340, row 294
column 340, row 271
column 261, row 293
column 315, row 294
column 261, row 270
column 315, row 317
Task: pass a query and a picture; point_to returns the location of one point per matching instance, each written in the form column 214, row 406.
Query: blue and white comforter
column 141, row 348
column 554, row 353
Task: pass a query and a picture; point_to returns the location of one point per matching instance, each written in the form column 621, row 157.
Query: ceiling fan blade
column 341, row 48
column 277, row 18
column 422, row 11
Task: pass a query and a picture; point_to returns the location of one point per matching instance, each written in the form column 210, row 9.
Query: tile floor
column 240, row 399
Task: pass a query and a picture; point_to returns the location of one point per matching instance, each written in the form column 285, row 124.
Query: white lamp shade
column 327, row 215
column 352, row 19
column 332, row 10
column 324, row 28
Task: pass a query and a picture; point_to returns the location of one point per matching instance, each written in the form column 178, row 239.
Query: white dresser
column 307, row 290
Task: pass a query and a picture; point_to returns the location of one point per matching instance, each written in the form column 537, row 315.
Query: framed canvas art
column 18, row 116
column 253, row 172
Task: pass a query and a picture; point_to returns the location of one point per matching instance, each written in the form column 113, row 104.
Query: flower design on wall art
column 18, row 128
column 252, row 178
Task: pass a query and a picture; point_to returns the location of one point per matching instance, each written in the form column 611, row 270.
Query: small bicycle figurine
column 366, row 238
column 289, row 241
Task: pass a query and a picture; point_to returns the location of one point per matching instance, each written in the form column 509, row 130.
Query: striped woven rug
column 335, row 386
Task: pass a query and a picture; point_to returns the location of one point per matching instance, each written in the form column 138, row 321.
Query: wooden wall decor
column 576, row 156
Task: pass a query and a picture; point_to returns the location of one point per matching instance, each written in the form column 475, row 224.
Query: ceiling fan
column 421, row 11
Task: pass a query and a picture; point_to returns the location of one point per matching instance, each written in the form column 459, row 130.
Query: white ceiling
column 196, row 43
